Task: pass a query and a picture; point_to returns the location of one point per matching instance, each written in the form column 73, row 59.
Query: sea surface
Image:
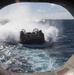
column 42, row 58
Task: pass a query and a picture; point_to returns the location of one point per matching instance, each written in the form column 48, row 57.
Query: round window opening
column 44, row 51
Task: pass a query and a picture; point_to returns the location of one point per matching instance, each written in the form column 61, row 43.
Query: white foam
column 21, row 17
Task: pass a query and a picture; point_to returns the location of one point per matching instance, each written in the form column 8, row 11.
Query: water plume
column 19, row 17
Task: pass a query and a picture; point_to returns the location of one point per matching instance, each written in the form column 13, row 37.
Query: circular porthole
column 29, row 58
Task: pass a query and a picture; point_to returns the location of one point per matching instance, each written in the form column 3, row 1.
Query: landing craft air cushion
column 35, row 37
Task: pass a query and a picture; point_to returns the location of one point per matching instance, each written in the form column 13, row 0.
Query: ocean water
column 18, row 58
column 58, row 48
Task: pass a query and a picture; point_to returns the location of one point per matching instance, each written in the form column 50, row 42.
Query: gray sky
column 43, row 10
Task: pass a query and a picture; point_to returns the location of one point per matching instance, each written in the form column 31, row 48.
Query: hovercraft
column 35, row 37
